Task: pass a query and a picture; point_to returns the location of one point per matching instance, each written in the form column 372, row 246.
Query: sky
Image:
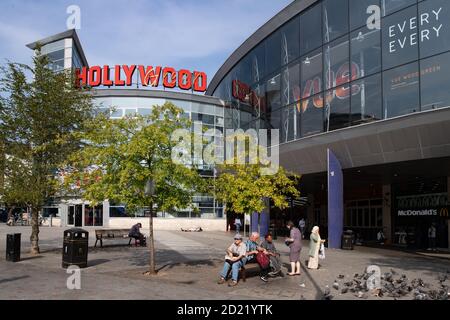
column 192, row 34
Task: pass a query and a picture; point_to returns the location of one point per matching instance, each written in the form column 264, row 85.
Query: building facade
column 368, row 80
column 65, row 52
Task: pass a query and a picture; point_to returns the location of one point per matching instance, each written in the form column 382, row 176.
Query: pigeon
column 344, row 290
column 326, row 294
column 362, row 295
column 336, row 285
column 341, row 276
column 393, row 271
column 349, row 283
column 442, row 278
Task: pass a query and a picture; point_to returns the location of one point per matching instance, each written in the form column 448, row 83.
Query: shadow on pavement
column 13, row 279
column 95, row 262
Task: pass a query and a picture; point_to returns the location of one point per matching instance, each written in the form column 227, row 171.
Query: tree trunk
column 152, row 244
column 34, row 231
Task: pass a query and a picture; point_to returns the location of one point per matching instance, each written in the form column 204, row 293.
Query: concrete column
column 106, row 213
column 387, row 218
column 254, row 223
column 310, row 213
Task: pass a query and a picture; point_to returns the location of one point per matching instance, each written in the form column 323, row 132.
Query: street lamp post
column 149, row 192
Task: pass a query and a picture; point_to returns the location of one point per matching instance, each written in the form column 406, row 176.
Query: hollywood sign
column 149, row 76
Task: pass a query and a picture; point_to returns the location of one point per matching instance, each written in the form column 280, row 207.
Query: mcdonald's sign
column 444, row 213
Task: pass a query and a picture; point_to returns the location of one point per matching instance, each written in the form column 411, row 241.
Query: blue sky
column 192, row 34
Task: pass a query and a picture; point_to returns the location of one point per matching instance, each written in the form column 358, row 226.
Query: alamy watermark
column 74, row 19
column 212, row 147
column 74, row 280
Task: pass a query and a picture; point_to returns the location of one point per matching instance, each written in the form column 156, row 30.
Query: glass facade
column 342, row 63
column 211, row 116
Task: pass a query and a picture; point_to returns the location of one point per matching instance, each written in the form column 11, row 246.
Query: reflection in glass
column 337, row 108
column 312, row 115
column 336, row 63
column 359, row 12
column 310, row 29
column 311, row 74
column 435, row 80
column 366, row 103
column 435, row 29
column 290, row 41
column 290, row 79
column 273, row 92
column 390, row 6
column 365, row 52
column 289, row 123
column 273, row 52
column 335, row 19
column 401, row 90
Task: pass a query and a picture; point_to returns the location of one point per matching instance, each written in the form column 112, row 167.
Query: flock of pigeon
column 391, row 285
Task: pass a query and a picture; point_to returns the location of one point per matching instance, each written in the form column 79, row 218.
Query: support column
column 387, row 215
column 310, row 214
column 254, row 222
column 448, row 205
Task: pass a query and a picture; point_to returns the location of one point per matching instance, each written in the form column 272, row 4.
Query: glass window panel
column 400, row 38
column 310, row 29
column 359, row 12
column 366, row 105
column 401, row 90
column 130, row 112
column 259, row 98
column 273, row 52
column 56, row 55
column 275, row 119
column 117, row 113
column 434, row 27
column 257, row 62
column 273, row 93
column 290, row 79
column 204, row 118
column 335, row 19
column 390, row 6
column 336, row 63
column 365, row 50
column 435, row 82
column 311, row 74
column 337, row 108
column 379, row 217
column 366, row 217
column 203, row 108
column 373, row 217
column 312, row 115
column 289, row 120
column 145, row 111
column 290, row 41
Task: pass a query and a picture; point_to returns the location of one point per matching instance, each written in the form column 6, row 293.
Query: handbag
column 263, row 260
column 322, row 251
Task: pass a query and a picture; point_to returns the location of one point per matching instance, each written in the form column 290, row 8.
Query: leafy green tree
column 244, row 186
column 40, row 112
column 122, row 155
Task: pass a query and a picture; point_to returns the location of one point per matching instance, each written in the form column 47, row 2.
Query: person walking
column 237, row 223
column 295, row 245
column 314, row 247
column 302, row 226
column 432, row 237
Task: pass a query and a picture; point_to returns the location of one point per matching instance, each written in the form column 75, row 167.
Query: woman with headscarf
column 314, row 247
column 295, row 245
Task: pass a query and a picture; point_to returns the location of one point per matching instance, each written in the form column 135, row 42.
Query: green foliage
column 40, row 113
column 120, row 155
column 244, row 188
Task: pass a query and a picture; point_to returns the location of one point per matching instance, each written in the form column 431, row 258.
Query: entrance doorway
column 75, row 215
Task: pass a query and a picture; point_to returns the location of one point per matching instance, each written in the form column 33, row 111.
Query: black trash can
column 347, row 240
column 13, row 247
column 75, row 248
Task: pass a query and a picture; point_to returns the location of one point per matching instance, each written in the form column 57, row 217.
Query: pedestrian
column 432, row 237
column 234, row 260
column 302, row 226
column 295, row 246
column 314, row 247
column 237, row 223
column 137, row 235
column 274, row 255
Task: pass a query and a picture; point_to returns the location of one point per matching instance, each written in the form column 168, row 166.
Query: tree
column 122, row 155
column 244, row 187
column 39, row 117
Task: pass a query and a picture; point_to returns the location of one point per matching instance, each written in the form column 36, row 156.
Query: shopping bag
column 322, row 252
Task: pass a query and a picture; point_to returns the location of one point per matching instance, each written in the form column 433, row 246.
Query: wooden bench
column 102, row 234
column 254, row 265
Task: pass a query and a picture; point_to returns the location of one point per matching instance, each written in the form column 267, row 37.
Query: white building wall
column 168, row 223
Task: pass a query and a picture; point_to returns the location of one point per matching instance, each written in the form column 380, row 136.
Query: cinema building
column 360, row 91
column 124, row 91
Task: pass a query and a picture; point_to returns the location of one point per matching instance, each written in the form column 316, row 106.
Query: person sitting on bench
column 136, row 234
column 274, row 256
column 234, row 259
column 252, row 250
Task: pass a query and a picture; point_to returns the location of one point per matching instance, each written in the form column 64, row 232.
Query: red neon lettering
column 199, row 86
column 184, row 79
column 311, row 87
column 173, row 77
column 117, row 80
column 106, row 80
column 129, row 73
column 150, row 76
column 95, row 76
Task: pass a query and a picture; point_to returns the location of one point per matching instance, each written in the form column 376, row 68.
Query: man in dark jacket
column 136, row 233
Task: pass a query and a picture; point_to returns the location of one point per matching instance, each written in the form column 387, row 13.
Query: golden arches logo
column 444, row 212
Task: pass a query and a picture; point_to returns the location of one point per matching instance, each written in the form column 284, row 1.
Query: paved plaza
column 189, row 264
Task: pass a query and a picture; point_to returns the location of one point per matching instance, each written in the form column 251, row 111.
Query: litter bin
column 347, row 240
column 75, row 248
column 13, row 247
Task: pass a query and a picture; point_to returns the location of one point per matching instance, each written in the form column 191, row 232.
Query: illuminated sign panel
column 148, row 76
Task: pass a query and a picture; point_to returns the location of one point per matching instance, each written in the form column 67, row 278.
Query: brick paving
column 189, row 264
